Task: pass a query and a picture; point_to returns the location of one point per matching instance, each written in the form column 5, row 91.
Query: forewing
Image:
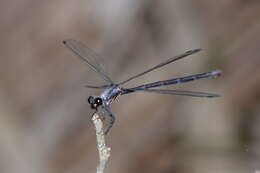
column 88, row 56
column 168, row 61
column 97, row 87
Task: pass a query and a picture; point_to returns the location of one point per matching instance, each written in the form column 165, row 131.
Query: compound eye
column 98, row 101
column 90, row 99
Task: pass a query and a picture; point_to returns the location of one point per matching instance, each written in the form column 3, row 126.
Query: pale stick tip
column 103, row 150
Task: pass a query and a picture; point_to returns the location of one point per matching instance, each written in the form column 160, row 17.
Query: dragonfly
column 101, row 104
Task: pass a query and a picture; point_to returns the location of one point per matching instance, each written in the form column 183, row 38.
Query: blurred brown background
column 44, row 117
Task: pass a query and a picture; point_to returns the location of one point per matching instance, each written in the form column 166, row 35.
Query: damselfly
column 113, row 90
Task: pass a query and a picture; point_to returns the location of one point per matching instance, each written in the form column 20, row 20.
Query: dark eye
column 98, row 101
column 90, row 99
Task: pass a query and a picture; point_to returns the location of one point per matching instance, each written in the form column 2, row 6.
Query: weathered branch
column 103, row 150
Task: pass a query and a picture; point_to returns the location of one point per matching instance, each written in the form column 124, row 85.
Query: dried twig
column 103, row 150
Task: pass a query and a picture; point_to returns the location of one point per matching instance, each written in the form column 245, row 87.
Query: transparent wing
column 88, row 56
column 107, row 116
column 173, row 59
column 182, row 93
column 97, row 87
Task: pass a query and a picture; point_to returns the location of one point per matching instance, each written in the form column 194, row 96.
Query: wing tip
column 66, row 42
column 193, row 51
column 214, row 96
column 197, row 50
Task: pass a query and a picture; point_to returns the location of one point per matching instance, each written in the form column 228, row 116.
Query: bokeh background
column 44, row 117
